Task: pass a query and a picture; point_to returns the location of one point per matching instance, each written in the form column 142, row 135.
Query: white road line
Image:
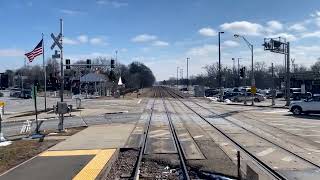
column 266, row 152
column 275, row 112
column 287, row 158
column 139, row 101
column 199, row 136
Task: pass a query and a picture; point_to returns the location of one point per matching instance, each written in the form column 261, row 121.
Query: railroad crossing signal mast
column 281, row 46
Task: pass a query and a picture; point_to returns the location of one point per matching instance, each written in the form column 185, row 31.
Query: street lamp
column 221, row 93
column 252, row 70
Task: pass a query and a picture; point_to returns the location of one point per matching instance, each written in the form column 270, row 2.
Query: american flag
column 38, row 50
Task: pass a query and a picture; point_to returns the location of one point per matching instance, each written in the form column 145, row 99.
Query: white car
column 311, row 105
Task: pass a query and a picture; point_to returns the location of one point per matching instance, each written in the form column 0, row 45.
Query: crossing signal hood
column 243, row 72
column 89, row 63
column 67, row 63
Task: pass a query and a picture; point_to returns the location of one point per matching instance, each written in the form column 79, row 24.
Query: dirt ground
column 22, row 150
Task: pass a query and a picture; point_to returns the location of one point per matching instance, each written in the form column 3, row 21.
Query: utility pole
column 181, row 76
column 220, row 88
column 239, row 71
column 234, row 72
column 178, row 77
column 273, row 90
column 288, row 75
column 188, row 74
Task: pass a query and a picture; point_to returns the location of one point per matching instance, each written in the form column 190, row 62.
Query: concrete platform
column 97, row 137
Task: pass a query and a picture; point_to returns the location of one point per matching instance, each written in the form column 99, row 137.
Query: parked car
column 310, row 105
column 211, row 92
column 26, row 94
column 229, row 95
column 15, row 92
column 241, row 97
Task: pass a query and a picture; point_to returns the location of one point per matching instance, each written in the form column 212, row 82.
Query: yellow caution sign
column 253, row 89
column 2, row 104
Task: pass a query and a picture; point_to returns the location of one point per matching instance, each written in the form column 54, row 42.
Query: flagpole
column 45, row 77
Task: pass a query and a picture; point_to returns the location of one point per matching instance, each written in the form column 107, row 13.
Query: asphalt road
column 13, row 128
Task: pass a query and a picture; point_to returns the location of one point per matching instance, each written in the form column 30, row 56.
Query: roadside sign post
column 34, row 96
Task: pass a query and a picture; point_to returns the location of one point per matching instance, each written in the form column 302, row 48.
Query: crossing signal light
column 242, row 72
column 112, row 63
column 67, row 63
column 89, row 63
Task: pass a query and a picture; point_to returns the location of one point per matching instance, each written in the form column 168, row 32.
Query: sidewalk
column 84, row 155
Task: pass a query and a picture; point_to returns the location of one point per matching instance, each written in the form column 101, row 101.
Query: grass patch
column 20, row 151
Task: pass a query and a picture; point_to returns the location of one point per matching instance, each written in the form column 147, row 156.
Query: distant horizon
column 158, row 35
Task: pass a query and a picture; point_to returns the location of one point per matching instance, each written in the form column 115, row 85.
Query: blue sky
column 162, row 34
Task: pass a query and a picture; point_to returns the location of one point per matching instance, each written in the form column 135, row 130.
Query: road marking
column 266, row 152
column 275, row 112
column 139, row 101
column 70, row 153
column 199, row 136
column 287, row 158
column 94, row 167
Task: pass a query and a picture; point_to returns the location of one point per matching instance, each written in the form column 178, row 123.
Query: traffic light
column 89, row 63
column 242, row 72
column 67, row 63
column 112, row 63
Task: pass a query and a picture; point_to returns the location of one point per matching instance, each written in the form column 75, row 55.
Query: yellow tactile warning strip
column 70, row 153
column 93, row 168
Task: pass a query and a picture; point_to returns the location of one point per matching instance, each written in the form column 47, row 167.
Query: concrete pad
column 97, row 137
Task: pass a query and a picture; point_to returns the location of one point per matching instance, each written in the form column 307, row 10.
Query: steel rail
column 271, row 171
column 136, row 171
column 177, row 142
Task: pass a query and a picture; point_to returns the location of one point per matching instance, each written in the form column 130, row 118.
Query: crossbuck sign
column 56, row 41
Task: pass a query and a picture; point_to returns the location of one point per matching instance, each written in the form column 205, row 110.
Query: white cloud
column 144, row 38
column 315, row 14
column 203, row 51
column 11, row 53
column 97, row 41
column 207, row 31
column 70, row 12
column 70, row 41
column 274, row 26
column 297, row 27
column 230, row 43
column 311, row 34
column 289, row 37
column 160, row 43
column 114, row 3
column 83, row 38
column 243, row 28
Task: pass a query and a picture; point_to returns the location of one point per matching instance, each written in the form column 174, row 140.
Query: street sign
column 253, row 89
column 56, row 41
column 2, row 104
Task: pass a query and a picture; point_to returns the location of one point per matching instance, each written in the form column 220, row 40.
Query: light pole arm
column 249, row 44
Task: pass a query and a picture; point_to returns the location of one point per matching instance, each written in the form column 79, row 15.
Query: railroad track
column 262, row 164
column 158, row 93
